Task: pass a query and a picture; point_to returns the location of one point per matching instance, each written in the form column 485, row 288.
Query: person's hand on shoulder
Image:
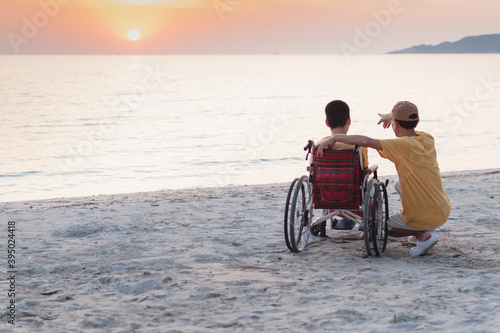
column 325, row 144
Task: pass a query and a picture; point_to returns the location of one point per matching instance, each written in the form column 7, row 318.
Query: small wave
column 281, row 159
column 20, row 174
column 250, row 162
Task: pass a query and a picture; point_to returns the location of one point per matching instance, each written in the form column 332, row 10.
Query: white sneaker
column 423, row 247
column 412, row 240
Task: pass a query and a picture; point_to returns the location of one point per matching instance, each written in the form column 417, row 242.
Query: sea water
column 88, row 125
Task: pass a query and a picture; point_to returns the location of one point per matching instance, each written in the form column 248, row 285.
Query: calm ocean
column 89, row 125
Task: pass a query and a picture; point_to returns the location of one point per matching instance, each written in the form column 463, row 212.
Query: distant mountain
column 471, row 44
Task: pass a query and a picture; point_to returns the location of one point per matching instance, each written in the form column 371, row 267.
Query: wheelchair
column 337, row 186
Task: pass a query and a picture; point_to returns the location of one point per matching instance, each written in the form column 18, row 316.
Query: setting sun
column 134, row 34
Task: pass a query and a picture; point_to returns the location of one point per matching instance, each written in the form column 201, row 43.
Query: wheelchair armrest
column 371, row 169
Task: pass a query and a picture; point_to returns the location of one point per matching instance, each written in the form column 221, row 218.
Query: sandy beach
column 215, row 260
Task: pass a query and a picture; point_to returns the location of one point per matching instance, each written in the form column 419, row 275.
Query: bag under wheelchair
column 337, row 187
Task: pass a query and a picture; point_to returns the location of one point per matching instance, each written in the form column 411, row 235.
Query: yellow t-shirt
column 425, row 204
column 345, row 146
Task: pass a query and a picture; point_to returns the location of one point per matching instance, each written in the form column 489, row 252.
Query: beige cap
column 404, row 111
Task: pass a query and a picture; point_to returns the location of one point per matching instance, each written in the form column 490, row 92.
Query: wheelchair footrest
column 343, row 224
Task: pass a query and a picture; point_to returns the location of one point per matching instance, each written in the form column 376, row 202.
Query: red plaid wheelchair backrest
column 336, row 178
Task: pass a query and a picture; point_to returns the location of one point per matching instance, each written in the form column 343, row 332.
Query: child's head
column 406, row 114
column 337, row 114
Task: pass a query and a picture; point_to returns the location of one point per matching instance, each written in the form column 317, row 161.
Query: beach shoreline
column 167, row 194
column 215, row 260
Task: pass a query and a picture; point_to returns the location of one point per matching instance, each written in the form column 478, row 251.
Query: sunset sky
column 238, row 26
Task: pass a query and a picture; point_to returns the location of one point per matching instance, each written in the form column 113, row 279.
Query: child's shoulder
column 317, row 143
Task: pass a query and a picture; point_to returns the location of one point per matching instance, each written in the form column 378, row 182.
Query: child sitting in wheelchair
column 338, row 119
column 339, row 184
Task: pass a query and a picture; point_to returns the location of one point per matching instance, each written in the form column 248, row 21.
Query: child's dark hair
column 337, row 113
column 409, row 124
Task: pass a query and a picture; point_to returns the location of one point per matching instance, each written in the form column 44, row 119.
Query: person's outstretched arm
column 359, row 140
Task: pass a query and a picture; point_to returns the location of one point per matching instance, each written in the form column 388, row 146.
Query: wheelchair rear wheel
column 297, row 215
column 287, row 205
column 380, row 215
column 375, row 216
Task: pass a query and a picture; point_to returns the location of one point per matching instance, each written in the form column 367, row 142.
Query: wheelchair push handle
column 309, row 147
